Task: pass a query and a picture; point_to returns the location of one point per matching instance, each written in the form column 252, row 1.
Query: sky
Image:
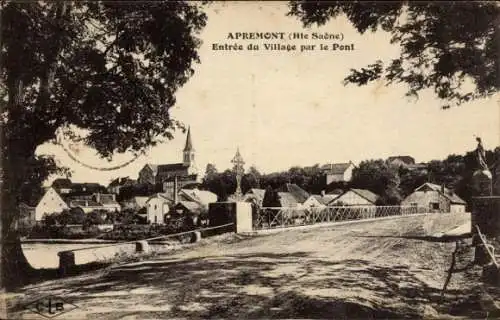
column 290, row 108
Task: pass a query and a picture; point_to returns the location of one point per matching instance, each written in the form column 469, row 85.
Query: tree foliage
column 101, row 73
column 378, row 177
column 450, row 48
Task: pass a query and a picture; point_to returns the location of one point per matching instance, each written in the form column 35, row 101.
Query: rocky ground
column 384, row 269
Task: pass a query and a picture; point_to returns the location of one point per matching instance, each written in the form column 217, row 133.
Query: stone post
column 485, row 213
column 66, row 262
column 142, row 246
column 243, row 217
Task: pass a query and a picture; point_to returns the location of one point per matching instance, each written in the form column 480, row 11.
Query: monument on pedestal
column 485, row 206
column 482, row 179
column 239, row 171
column 235, row 210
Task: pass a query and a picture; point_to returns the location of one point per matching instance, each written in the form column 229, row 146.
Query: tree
column 378, row 177
column 210, row 171
column 77, row 216
column 444, row 46
column 250, row 180
column 271, row 198
column 108, row 69
column 94, row 218
column 411, row 179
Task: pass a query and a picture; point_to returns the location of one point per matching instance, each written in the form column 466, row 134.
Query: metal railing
column 281, row 217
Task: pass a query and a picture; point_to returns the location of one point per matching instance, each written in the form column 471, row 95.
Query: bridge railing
column 281, row 217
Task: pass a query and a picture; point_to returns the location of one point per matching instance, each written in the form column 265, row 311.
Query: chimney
column 175, row 190
column 322, row 193
column 442, row 188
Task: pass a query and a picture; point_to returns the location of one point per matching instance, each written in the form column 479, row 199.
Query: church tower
column 188, row 152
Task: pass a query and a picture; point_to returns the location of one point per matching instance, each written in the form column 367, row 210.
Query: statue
column 482, row 177
column 481, row 155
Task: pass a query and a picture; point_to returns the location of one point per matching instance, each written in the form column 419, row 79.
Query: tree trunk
column 15, row 269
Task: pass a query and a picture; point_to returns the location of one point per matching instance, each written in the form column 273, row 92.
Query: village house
column 290, row 196
column 86, row 188
column 118, row 183
column 337, row 172
column 436, row 198
column 193, row 202
column 189, row 202
column 319, row 200
column 87, row 204
column 355, row 197
column 157, row 208
column 108, row 201
column 168, row 175
column 62, row 186
column 96, row 201
column 51, row 202
column 135, row 203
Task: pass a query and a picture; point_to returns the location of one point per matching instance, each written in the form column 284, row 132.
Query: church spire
column 188, row 151
column 189, row 143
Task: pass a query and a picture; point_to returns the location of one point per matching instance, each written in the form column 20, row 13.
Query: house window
column 434, row 206
column 156, row 206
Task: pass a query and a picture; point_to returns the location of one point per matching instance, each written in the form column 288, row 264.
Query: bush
column 130, row 232
column 62, row 232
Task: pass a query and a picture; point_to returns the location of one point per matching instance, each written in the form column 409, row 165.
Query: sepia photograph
column 249, row 159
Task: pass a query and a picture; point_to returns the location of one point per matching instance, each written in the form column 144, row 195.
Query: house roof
column 453, row 197
column 287, row 199
column 192, row 206
column 335, row 192
column 120, row 182
column 324, row 199
column 421, row 197
column 170, row 167
column 107, row 199
column 297, row 192
column 62, row 183
column 162, row 196
column 336, row 168
column 318, row 198
column 405, row 159
column 202, row 196
column 141, row 201
column 84, row 203
column 328, row 198
column 366, row 194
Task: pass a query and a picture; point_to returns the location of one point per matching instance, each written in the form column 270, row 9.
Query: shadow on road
column 443, row 238
column 263, row 285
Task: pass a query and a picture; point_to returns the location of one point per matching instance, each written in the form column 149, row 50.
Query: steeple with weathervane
column 188, row 151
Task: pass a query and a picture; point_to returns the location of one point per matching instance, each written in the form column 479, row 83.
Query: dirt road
column 383, row 269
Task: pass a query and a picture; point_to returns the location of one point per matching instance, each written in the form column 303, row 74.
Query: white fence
column 280, row 217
